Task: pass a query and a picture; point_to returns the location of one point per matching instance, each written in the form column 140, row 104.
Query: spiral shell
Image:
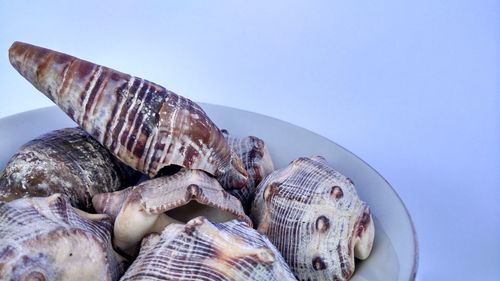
column 315, row 218
column 45, row 238
column 201, row 250
column 66, row 161
column 143, row 124
column 257, row 161
column 154, row 204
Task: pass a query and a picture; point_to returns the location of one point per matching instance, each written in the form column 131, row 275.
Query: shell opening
column 35, row 276
column 238, row 174
column 181, row 215
column 364, row 245
column 194, row 209
column 168, row 170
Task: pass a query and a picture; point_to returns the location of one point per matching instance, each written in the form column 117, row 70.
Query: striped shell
column 257, row 161
column 201, row 250
column 315, row 218
column 44, row 238
column 152, row 205
column 141, row 123
column 66, row 161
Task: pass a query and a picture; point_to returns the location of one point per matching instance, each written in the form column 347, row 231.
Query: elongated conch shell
column 66, row 161
column 201, row 250
column 45, row 238
column 257, row 161
column 154, row 204
column 143, row 124
column 313, row 215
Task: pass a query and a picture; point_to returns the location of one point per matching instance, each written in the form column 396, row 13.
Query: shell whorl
column 143, row 124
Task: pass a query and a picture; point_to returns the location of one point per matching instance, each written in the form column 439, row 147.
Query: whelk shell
column 154, row 204
column 257, row 161
column 66, row 161
column 315, row 218
column 201, row 250
column 45, row 238
column 143, row 124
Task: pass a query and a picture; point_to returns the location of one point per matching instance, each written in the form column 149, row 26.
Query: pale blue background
column 412, row 87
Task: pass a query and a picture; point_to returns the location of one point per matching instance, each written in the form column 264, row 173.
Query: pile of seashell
column 149, row 188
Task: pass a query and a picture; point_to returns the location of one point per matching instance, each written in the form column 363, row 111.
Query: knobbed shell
column 201, row 250
column 315, row 218
column 45, row 238
column 257, row 161
column 66, row 161
column 142, row 123
column 154, row 204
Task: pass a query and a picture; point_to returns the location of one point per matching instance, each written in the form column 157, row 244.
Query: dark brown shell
column 66, row 161
column 143, row 124
column 201, row 250
column 313, row 215
column 257, row 161
column 153, row 204
column 45, row 238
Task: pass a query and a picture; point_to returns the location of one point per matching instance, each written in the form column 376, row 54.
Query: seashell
column 257, row 161
column 201, row 250
column 143, row 124
column 154, row 204
column 45, row 238
column 315, row 218
column 66, row 161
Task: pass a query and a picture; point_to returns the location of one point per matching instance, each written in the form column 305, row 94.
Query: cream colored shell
column 315, row 218
column 201, row 250
column 45, row 238
column 154, row 204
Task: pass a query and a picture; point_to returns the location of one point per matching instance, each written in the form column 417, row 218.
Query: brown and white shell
column 66, row 161
column 154, row 204
column 313, row 215
column 201, row 250
column 257, row 161
column 143, row 124
column 45, row 238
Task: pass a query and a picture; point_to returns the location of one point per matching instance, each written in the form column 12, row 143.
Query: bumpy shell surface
column 152, row 205
column 257, row 161
column 45, row 238
column 201, row 250
column 142, row 123
column 315, row 218
column 66, row 161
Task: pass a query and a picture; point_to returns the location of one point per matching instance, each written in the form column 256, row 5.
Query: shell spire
column 143, row 124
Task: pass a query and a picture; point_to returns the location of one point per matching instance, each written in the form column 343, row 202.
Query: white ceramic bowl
column 395, row 251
